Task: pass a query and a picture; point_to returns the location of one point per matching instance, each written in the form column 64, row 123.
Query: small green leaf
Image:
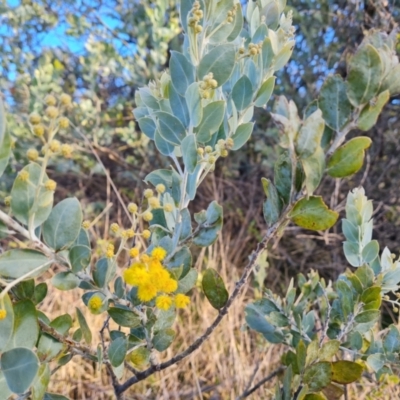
column 163, row 339
column 318, row 376
column 370, row 113
column 40, row 292
column 346, row 372
column 309, row 137
column 367, row 316
column 214, row 288
column 7, row 324
column 376, row 361
column 182, row 72
column 391, row 344
column 265, row 92
column 63, row 225
column 54, row 396
column 391, row 81
column 188, row 281
column 242, row 135
column 313, row 214
column 170, row 128
column 147, row 126
column 19, row 367
column 179, row 106
column 5, row 152
column 62, row 324
column 79, row 257
column 18, row 262
column 314, row 396
column 117, row 351
column 193, row 100
column 41, row 382
column 220, row 61
column 334, row 103
column 164, row 147
column 328, row 350
column 313, row 167
column 26, row 327
column 87, row 335
column 349, row 158
column 25, row 203
column 124, row 317
column 213, row 115
column 189, row 152
column 65, row 280
column 273, row 205
column 242, row 93
column 364, row 76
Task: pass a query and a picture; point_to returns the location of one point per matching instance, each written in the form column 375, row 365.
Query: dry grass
column 233, row 358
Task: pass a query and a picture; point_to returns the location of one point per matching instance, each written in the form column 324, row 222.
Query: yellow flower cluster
column 153, row 280
column 95, row 303
column 3, row 314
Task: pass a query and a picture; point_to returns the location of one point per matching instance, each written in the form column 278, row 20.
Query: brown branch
column 222, row 312
column 259, row 384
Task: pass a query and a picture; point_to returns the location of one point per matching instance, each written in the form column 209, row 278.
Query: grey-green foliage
column 324, row 323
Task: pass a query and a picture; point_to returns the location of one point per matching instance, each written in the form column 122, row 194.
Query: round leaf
column 214, row 288
column 63, row 225
column 349, row 158
column 23, row 195
column 345, row 372
column 313, row 214
column 19, row 367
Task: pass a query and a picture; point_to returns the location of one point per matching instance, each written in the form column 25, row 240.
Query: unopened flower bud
column 55, row 146
column 50, row 185
column 51, row 112
column 32, row 154
column 86, row 224
column 132, row 208
column 38, row 130
column 224, row 153
column 148, row 193
column 50, row 100
column 7, row 201
column 114, row 228
column 168, row 207
column 64, row 122
column 35, row 119
column 154, row 202
column 23, row 176
column 147, row 216
column 66, row 150
column 146, row 234
column 208, row 149
column 65, row 99
column 160, row 188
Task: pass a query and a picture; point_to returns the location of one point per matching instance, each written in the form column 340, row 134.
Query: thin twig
column 259, row 384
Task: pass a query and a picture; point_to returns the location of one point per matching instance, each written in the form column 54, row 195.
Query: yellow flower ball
column 132, row 207
column 160, row 188
column 169, row 286
column 147, row 292
column 148, row 193
column 114, row 228
column 55, row 146
column 145, row 258
column 51, row 112
column 50, row 185
column 86, row 224
column 64, row 123
column 95, row 303
column 136, row 275
column 32, row 154
column 154, row 202
column 35, row 119
column 168, row 207
column 65, row 99
column 181, row 300
column 134, row 252
column 158, row 253
column 38, row 130
column 147, row 216
column 23, row 176
column 66, row 150
column 50, row 100
column 3, row 314
column 146, row 234
column 163, row 302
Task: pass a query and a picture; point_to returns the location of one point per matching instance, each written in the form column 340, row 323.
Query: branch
column 222, row 312
column 259, row 384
